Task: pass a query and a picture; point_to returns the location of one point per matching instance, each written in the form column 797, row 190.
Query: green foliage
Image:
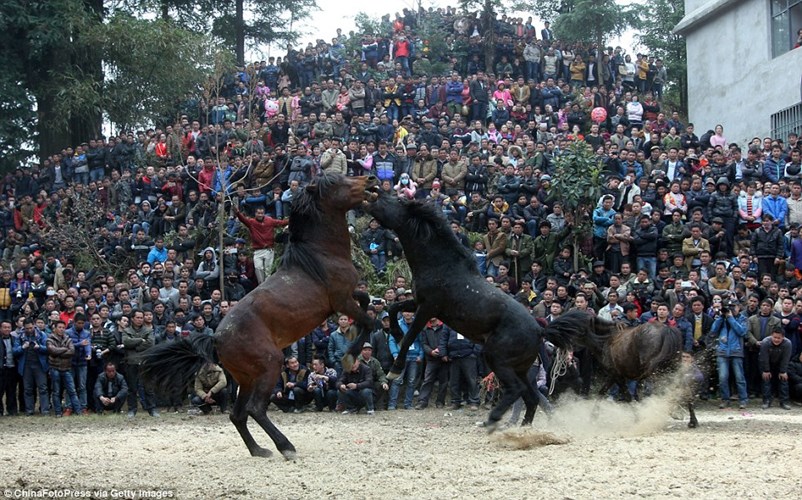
column 592, row 20
column 366, row 24
column 18, row 126
column 655, row 33
column 264, row 22
column 577, row 183
column 150, row 65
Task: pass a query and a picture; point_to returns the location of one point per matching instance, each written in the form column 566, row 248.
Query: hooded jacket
column 208, row 270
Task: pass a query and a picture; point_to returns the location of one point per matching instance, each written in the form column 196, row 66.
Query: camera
column 726, row 306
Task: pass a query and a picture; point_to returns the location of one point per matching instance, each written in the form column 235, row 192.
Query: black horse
column 624, row 353
column 447, row 285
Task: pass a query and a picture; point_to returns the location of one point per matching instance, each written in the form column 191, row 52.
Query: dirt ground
column 627, row 451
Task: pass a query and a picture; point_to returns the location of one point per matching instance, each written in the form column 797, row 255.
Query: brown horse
column 624, row 353
column 315, row 279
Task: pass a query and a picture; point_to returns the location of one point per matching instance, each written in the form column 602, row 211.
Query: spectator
column 322, row 385
column 110, row 390
column 60, row 351
column 414, row 358
column 262, row 230
column 460, row 354
column 356, row 389
column 136, row 339
column 729, row 327
column 30, row 349
column 775, row 353
column 210, row 388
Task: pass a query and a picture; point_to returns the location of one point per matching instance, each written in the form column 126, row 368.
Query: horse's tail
column 171, row 367
column 669, row 355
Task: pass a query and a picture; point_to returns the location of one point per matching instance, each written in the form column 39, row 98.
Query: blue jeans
column 392, row 112
column 404, row 64
column 532, row 70
column 408, row 375
column 356, row 399
column 96, row 175
column 723, row 364
column 58, row 378
column 782, row 385
column 145, row 226
column 648, row 263
column 81, row 177
column 379, row 261
column 79, row 378
column 34, row 377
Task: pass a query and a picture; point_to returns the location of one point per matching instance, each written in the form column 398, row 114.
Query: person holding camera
column 729, row 326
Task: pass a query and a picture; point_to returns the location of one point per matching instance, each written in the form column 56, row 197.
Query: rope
column 559, row 368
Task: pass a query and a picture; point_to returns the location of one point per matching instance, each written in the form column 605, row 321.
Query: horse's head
column 391, row 212
column 337, row 192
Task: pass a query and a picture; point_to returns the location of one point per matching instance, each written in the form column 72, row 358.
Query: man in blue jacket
column 461, row 353
column 30, row 349
column 602, row 219
column 730, row 329
column 412, row 363
column 82, row 340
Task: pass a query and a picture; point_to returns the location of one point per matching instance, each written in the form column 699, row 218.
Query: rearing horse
column 447, row 285
column 315, row 279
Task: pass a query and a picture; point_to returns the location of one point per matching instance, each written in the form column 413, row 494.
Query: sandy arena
column 630, row 450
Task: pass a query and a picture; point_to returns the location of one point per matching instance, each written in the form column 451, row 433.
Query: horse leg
column 422, row 316
column 531, row 398
column 257, row 409
column 692, row 423
column 239, row 417
column 513, row 389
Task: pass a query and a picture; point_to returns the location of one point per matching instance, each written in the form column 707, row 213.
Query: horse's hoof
column 490, row 427
column 693, row 424
column 393, row 375
column 289, row 455
column 261, row 452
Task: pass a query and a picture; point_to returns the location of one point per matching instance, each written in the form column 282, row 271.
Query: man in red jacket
column 262, row 231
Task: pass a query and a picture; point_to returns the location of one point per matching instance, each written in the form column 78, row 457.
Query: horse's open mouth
column 372, row 193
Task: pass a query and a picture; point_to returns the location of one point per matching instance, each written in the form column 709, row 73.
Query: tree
column 589, row 21
column 577, row 183
column 67, row 62
column 487, row 15
column 266, row 22
column 37, row 46
column 656, row 33
column 149, row 66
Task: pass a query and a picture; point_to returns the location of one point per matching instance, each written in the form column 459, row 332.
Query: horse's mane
column 578, row 328
column 306, row 216
column 426, row 222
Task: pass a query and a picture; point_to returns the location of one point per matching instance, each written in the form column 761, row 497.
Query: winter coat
column 60, row 351
column 731, row 332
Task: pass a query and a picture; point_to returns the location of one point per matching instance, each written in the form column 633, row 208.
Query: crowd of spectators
column 698, row 232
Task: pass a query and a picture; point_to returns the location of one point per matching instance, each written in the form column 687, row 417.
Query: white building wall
column 732, row 78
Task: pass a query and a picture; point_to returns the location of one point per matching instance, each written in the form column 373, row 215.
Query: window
column 786, row 21
column 786, row 121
